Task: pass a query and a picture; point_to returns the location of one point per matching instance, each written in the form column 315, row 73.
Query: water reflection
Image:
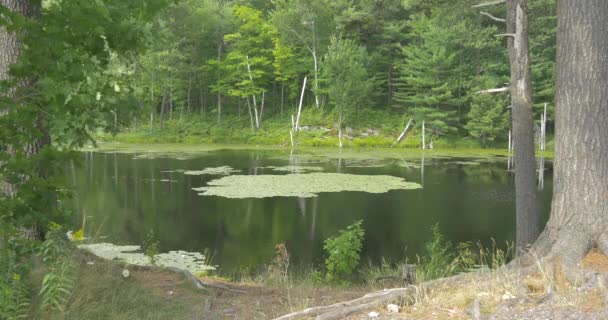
column 126, row 197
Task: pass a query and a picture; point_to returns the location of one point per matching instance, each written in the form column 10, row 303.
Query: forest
column 233, row 72
column 303, row 159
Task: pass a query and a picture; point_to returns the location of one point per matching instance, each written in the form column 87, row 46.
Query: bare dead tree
column 520, row 88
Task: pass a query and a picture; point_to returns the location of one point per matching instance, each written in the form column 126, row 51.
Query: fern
column 59, row 282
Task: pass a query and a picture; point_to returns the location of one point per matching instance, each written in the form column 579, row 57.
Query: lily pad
column 191, row 261
column 225, row 170
column 301, row 185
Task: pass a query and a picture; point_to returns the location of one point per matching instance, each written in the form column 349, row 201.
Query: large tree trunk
column 526, row 208
column 10, row 50
column 579, row 210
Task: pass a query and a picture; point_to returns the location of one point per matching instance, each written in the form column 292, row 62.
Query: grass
column 102, row 293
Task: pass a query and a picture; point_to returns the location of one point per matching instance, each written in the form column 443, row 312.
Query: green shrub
column 439, row 257
column 151, row 246
column 344, row 253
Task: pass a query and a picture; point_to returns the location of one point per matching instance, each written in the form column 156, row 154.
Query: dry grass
column 547, row 286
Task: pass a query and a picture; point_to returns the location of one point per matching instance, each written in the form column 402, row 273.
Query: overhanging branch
column 492, row 17
column 488, row 4
column 495, row 90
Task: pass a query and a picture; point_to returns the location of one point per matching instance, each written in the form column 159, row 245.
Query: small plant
column 58, row 283
column 344, row 252
column 151, row 246
column 14, row 292
column 439, row 259
column 281, row 262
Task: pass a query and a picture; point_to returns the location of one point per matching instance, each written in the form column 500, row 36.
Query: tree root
column 198, row 283
column 564, row 255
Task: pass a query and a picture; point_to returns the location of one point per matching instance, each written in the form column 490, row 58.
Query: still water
column 125, row 195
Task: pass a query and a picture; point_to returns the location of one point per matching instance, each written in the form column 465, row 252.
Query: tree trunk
column 526, row 208
column 161, row 117
column 189, row 91
column 171, row 96
column 282, row 95
column 10, row 50
column 579, row 209
column 250, row 115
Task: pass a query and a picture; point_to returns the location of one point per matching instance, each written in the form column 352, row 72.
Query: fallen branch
column 505, row 35
column 492, row 17
column 343, row 309
column 495, row 90
column 488, row 4
column 405, row 131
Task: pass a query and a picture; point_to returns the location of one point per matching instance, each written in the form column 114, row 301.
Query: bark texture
column 10, row 50
column 527, row 217
column 579, row 210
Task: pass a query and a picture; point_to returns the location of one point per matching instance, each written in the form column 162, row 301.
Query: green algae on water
column 301, row 185
column 191, row 261
column 293, row 169
column 225, row 170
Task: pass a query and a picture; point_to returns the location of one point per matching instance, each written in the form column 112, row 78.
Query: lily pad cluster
column 301, row 185
column 224, row 170
column 131, row 254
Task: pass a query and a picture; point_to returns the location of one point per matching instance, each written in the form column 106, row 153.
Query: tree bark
column 526, row 208
column 10, row 51
column 579, row 209
column 161, row 117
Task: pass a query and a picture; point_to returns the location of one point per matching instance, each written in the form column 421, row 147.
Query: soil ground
column 170, row 291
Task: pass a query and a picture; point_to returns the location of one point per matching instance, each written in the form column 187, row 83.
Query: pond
column 238, row 204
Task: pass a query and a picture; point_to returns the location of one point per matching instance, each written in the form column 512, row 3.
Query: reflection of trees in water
column 244, row 231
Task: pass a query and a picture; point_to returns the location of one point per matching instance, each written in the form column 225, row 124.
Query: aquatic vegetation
column 466, row 163
column 293, row 169
column 405, row 164
column 131, row 254
column 170, row 155
column 365, row 165
column 301, row 185
column 224, row 170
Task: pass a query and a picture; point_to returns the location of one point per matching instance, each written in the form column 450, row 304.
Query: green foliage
column 14, row 291
column 344, row 253
column 489, row 119
column 151, row 246
column 438, row 259
column 344, row 76
column 58, row 283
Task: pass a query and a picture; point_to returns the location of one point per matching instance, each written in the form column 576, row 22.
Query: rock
column 475, row 310
column 507, row 296
column 392, row 308
column 373, row 315
column 348, row 130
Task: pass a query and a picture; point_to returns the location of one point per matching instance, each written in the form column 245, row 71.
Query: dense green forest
column 233, row 71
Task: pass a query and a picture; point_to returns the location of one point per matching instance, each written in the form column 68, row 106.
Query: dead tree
column 520, row 88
